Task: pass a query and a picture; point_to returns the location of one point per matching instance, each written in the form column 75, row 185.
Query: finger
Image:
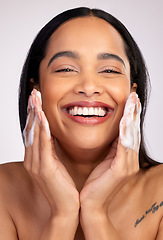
column 35, row 165
column 29, row 130
column 130, row 123
column 126, row 133
column 35, row 103
column 136, row 128
column 36, row 137
column 130, row 132
column 133, row 164
column 113, row 150
column 127, row 139
column 45, row 139
column 27, row 138
column 38, row 94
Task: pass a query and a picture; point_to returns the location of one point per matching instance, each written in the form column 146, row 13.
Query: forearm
column 62, row 228
column 98, row 226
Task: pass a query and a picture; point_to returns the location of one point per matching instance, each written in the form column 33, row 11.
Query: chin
column 90, row 140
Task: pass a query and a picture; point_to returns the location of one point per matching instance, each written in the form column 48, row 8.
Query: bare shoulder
column 154, row 184
column 9, row 169
column 8, row 174
column 153, row 191
column 12, row 176
column 154, row 180
column 155, row 175
column 15, row 182
column 22, row 204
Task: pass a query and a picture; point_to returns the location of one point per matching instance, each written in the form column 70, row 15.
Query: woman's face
column 85, row 81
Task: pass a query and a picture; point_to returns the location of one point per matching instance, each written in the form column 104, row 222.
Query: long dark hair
column 139, row 74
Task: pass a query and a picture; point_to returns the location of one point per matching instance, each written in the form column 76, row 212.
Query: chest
column 130, row 223
column 30, row 215
column 138, row 219
column 134, row 217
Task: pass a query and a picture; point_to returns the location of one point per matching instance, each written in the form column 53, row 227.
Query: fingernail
column 133, row 96
column 34, row 91
column 38, row 94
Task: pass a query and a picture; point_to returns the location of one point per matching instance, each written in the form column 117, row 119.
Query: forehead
column 86, row 34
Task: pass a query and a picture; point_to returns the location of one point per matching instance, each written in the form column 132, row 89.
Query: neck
column 80, row 163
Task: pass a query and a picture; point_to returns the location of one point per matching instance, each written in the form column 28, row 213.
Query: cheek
column 52, row 90
column 119, row 91
column 50, row 97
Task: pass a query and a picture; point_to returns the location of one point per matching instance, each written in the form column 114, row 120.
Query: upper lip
column 87, row 104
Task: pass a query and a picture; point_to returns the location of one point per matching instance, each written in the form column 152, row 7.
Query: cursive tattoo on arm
column 154, row 208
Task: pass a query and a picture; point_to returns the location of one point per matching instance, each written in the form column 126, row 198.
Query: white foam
column 25, row 130
column 31, row 133
column 38, row 93
column 130, row 127
column 29, row 140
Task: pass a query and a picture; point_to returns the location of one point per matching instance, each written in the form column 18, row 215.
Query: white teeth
column 86, row 111
column 91, row 111
column 101, row 112
column 96, row 111
column 80, row 111
column 75, row 110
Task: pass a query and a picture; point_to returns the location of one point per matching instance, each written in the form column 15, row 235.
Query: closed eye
column 110, row 71
column 66, row 70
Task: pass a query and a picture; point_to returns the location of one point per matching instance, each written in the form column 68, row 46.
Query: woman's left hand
column 121, row 163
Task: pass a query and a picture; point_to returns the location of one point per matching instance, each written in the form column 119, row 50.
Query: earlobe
column 33, row 85
column 134, row 87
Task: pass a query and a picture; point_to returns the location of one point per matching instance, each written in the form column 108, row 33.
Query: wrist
column 98, row 205
column 65, row 211
column 60, row 227
column 97, row 208
column 96, row 225
column 93, row 216
column 65, row 216
column 65, row 221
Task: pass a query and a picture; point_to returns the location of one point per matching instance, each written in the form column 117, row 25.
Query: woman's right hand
column 43, row 165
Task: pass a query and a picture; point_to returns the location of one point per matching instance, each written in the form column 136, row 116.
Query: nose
column 88, row 86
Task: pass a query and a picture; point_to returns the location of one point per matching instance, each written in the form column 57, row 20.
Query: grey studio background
column 21, row 20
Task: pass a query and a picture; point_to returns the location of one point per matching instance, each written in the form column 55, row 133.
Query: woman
column 84, row 175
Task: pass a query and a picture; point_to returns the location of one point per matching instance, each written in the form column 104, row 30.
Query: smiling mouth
column 88, row 112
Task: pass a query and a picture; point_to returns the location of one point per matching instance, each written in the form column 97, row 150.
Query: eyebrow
column 103, row 56
column 68, row 54
column 75, row 55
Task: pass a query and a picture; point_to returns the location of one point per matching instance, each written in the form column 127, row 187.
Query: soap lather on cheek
column 28, row 137
column 26, row 142
column 130, row 124
column 34, row 102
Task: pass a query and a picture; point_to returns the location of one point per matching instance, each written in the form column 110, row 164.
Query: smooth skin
column 80, row 183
